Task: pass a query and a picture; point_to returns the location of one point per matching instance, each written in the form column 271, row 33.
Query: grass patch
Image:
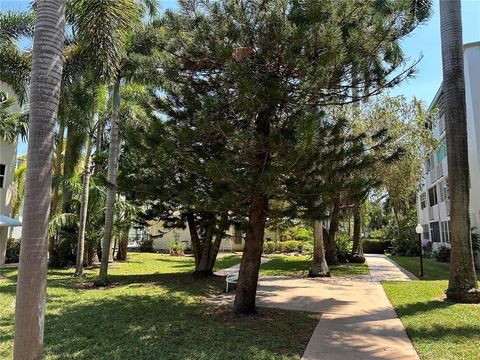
column 439, row 330
column 288, row 265
column 154, row 309
column 432, row 270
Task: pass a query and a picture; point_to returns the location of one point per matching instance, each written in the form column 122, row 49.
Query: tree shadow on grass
column 161, row 327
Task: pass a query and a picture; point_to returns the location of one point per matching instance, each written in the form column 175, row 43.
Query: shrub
column 443, row 254
column 293, row 246
column 373, row 246
column 378, row 234
column 307, row 247
column 146, row 245
column 177, row 248
column 13, row 251
column 284, row 246
column 269, row 247
column 407, row 244
column 428, row 250
column 344, row 247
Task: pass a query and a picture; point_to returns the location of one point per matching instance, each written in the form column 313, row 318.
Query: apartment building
column 433, row 202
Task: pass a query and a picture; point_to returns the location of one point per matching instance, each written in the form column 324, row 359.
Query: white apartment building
column 433, row 202
column 8, row 157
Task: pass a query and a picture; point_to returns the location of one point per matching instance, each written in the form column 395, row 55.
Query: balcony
column 430, row 212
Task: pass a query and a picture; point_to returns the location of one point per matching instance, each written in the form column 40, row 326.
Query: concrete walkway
column 233, row 270
column 382, row 268
column 358, row 321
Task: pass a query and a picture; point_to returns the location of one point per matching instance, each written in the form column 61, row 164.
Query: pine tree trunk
column 56, row 186
column 462, row 285
column 45, row 84
column 84, row 208
column 123, row 245
column 222, row 228
column 319, row 265
column 201, row 267
column 252, row 252
column 252, row 256
column 113, row 153
column 330, row 243
column 192, row 228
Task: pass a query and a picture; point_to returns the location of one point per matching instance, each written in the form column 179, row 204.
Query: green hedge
column 283, row 246
column 371, row 246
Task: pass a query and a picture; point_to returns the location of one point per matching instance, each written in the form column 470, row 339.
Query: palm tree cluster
column 221, row 113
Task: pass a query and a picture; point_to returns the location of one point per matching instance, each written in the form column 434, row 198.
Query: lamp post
column 419, row 230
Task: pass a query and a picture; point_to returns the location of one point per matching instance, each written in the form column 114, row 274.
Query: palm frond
column 14, row 25
column 62, row 220
column 102, row 27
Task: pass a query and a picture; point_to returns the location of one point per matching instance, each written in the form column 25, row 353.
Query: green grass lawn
column 154, row 309
column 288, row 265
column 432, row 270
column 438, row 329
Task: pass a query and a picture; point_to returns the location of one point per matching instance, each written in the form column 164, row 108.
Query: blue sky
column 425, row 40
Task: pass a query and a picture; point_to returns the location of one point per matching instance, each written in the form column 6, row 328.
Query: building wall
column 8, row 156
column 234, row 241
column 439, row 171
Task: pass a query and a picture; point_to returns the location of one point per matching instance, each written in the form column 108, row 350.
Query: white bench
column 231, row 279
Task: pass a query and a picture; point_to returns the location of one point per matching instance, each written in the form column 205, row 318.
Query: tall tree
column 462, row 284
column 270, row 59
column 47, row 64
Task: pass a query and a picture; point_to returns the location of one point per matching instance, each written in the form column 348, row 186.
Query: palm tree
column 47, row 64
column 319, row 266
column 462, row 285
column 14, row 63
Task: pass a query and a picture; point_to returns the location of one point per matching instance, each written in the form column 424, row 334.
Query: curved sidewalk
column 362, row 324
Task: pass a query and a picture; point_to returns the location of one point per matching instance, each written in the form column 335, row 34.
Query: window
column 446, row 231
column 426, row 232
column 442, row 150
column 423, row 200
column 430, row 163
column 443, row 188
column 435, row 229
column 2, row 175
column 432, row 195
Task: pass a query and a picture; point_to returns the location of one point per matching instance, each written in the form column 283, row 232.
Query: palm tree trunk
column 74, row 144
column 56, row 186
column 113, row 153
column 319, row 265
column 84, row 208
column 462, row 285
column 46, row 78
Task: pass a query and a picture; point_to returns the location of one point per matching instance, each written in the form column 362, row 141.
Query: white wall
column 8, row 156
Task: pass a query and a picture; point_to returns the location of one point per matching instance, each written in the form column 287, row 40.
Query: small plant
column 13, row 251
column 146, row 245
column 344, row 247
column 177, row 248
column 443, row 254
column 269, row 247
